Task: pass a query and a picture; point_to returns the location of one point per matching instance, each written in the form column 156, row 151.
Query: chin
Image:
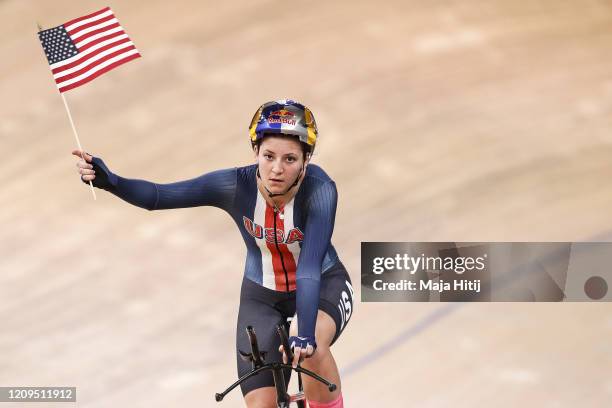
column 277, row 189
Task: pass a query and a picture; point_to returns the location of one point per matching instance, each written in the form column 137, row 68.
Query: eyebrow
column 272, row 152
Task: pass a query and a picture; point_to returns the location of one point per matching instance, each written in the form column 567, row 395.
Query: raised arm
column 215, row 189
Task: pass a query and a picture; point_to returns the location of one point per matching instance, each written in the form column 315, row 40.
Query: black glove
column 105, row 179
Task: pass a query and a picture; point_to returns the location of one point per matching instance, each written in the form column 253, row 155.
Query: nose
column 277, row 167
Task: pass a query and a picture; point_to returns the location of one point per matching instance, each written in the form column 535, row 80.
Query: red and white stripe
column 294, row 248
column 272, row 266
column 102, row 44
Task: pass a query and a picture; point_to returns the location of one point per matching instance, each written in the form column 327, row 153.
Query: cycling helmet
column 287, row 117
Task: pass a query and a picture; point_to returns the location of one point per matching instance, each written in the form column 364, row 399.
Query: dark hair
column 306, row 149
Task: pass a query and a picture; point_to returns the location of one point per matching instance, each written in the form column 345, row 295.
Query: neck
column 279, row 200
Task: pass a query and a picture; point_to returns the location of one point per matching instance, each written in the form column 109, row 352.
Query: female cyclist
column 285, row 210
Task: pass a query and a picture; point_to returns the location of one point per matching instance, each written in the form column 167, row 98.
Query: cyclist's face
column 280, row 161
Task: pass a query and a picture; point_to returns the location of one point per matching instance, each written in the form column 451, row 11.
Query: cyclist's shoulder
column 316, row 182
column 246, row 173
column 316, row 176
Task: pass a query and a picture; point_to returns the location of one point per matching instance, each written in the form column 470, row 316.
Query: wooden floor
column 452, row 121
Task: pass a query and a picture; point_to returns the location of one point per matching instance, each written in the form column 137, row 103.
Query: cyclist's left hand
column 303, row 347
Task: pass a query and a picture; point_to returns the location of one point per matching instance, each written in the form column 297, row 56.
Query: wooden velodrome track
column 452, row 121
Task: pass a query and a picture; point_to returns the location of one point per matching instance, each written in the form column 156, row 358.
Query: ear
column 308, row 156
column 256, row 153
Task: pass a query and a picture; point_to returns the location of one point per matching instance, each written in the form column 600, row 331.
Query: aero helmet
column 287, row 117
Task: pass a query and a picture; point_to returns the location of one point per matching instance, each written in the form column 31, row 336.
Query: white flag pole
column 93, row 192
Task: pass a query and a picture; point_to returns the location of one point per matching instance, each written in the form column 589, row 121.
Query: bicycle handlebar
column 258, row 366
column 256, row 354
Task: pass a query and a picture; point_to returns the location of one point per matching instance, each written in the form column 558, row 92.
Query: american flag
column 84, row 48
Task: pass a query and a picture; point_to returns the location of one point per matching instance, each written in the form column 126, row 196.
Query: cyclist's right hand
column 93, row 169
column 85, row 167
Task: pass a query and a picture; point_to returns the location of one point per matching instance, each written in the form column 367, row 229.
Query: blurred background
column 439, row 121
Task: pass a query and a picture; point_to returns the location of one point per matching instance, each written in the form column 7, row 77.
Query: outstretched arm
column 215, row 189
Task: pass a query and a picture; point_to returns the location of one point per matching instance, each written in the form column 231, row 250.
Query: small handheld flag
column 84, row 48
